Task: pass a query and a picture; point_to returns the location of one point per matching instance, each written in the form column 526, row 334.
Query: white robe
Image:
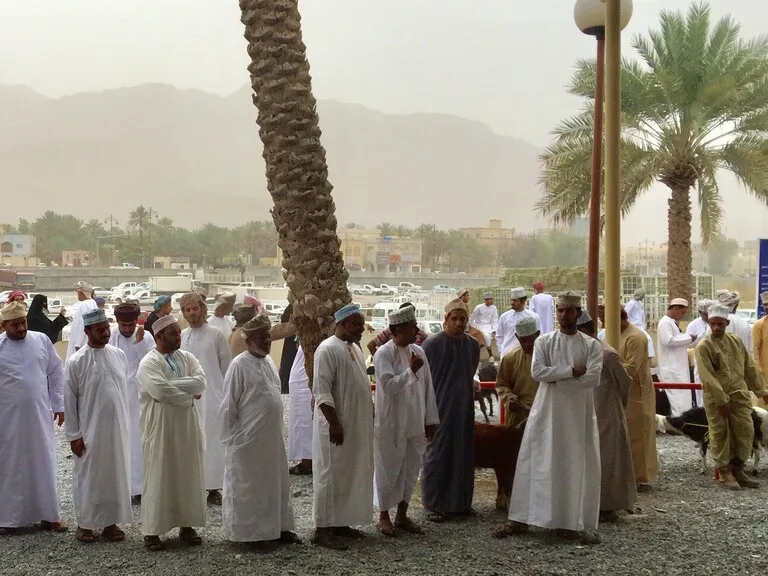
column 739, row 326
column 506, row 333
column 134, row 352
column 257, row 488
column 486, row 319
column 212, row 350
column 31, row 390
column 225, row 324
column 173, row 440
column 636, row 313
column 299, row 411
column 405, row 404
column 77, row 337
column 342, row 476
column 544, row 306
column 557, row 481
column 96, row 410
column 699, row 328
column 672, row 355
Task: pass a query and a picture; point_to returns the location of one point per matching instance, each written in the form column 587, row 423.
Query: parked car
column 386, row 290
column 444, row 289
column 363, row 290
column 101, row 292
column 407, row 287
column 127, row 265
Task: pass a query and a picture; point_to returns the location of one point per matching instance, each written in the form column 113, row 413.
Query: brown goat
column 497, row 447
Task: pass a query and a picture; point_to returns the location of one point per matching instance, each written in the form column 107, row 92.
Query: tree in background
column 698, row 103
column 297, row 172
column 720, row 255
column 138, row 221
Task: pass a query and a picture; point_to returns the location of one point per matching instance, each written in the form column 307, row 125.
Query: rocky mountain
column 196, row 157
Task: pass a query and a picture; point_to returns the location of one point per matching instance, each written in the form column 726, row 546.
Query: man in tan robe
column 641, row 406
column 617, row 477
column 514, row 383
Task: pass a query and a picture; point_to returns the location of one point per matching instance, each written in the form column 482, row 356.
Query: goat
column 693, row 424
column 497, row 447
column 487, row 373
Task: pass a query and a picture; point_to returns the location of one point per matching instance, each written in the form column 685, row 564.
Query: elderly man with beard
column 97, row 425
column 257, row 505
column 132, row 340
column 728, row 375
column 31, row 393
column 448, row 466
column 342, row 443
column 169, row 381
column 210, row 347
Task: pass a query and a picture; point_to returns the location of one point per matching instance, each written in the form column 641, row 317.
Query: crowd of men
column 181, row 418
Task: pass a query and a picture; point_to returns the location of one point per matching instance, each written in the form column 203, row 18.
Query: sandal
column 409, row 526
column 190, row 536
column 436, row 517
column 347, row 532
column 53, row 526
column 511, row 529
column 153, row 543
column 113, row 534
column 299, row 470
column 84, row 536
column 8, row 531
column 387, row 529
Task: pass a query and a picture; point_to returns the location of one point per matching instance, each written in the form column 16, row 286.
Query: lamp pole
column 590, row 18
column 617, row 16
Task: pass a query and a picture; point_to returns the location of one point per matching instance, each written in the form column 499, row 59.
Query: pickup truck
column 407, row 287
column 125, row 265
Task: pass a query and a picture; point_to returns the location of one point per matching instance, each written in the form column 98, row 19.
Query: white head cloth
column 718, row 311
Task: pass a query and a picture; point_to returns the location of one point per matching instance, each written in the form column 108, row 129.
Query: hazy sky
column 501, row 62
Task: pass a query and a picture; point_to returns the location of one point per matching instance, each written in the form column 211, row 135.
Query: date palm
column 138, row 221
column 297, row 173
column 697, row 104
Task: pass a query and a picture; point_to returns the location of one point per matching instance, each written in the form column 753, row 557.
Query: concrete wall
column 62, row 279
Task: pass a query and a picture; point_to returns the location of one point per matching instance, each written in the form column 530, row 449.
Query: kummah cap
column 456, row 304
column 160, row 302
column 718, row 311
column 258, row 323
column 243, row 313
column 163, row 322
column 764, row 298
column 526, row 326
column 704, row 305
column 346, row 312
column 569, row 299
column 84, row 287
column 585, row 318
column 639, row 294
column 678, row 302
column 12, row 311
column 728, row 298
column 94, row 317
column 127, row 312
column 100, row 301
column 402, row 316
column 487, row 295
column 517, row 293
column 225, row 298
column 461, row 292
column 190, row 298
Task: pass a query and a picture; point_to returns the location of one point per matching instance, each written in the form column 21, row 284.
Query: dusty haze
column 497, row 62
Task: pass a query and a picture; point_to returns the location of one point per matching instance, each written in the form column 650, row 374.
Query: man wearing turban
column 129, row 338
column 728, row 375
column 31, row 389
column 161, row 307
column 257, row 491
column 223, row 306
column 342, row 443
column 736, row 324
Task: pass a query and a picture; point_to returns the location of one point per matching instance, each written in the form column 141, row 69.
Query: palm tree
column 386, row 229
column 137, row 221
column 697, row 104
column 297, row 173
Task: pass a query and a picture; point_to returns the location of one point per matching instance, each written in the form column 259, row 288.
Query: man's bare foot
column 408, row 525
column 386, row 527
column 84, row 536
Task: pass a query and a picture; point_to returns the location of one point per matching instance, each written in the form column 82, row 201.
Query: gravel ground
column 687, row 526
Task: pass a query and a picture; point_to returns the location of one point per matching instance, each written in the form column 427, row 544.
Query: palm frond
column 746, row 157
column 710, row 204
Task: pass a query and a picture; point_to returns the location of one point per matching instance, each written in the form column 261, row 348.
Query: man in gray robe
column 448, row 466
column 617, row 475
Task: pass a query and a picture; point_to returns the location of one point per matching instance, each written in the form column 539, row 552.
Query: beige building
column 366, row 249
column 646, row 259
column 495, row 236
column 172, row 262
column 76, row 258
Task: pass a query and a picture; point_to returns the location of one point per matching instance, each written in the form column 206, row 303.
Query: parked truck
column 13, row 280
column 169, row 285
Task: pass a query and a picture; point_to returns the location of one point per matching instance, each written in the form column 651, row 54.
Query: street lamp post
column 605, row 19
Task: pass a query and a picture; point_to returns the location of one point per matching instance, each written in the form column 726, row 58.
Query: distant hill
column 196, row 157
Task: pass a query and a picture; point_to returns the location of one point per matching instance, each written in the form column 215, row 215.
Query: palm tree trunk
column 297, row 173
column 679, row 254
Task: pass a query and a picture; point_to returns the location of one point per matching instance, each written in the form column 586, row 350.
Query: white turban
column 728, row 298
column 517, row 293
column 718, row 311
column 225, row 298
column 704, row 305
